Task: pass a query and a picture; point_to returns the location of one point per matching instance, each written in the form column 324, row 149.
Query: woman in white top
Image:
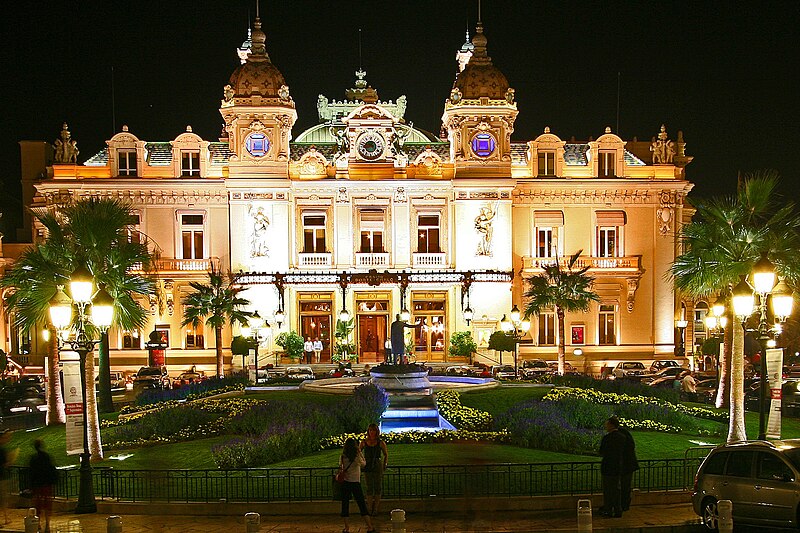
column 350, row 463
column 317, row 349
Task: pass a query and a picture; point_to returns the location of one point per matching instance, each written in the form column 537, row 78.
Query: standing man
column 398, row 335
column 308, row 348
column 630, row 464
column 612, row 449
column 317, row 349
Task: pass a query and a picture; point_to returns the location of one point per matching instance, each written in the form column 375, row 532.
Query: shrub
column 364, row 407
column 277, row 444
column 619, row 386
column 211, row 386
column 161, row 424
column 292, row 344
column 546, row 425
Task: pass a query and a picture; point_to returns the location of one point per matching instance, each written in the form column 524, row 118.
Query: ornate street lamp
column 517, row 328
column 72, row 337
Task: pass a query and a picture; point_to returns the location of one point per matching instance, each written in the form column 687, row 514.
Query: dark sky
column 723, row 72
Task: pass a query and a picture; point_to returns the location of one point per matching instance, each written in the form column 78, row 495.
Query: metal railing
column 629, row 263
column 399, row 482
column 428, row 260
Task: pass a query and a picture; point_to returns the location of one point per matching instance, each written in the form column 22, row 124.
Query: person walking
column 317, row 349
column 612, row 450
column 374, row 449
column 350, row 463
column 308, row 349
column 630, row 464
column 43, row 476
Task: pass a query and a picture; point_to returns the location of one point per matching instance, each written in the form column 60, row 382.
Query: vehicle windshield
column 535, row 364
column 632, row 365
column 506, row 369
column 150, row 372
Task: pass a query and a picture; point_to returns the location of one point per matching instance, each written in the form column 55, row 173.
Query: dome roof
column 257, row 76
column 480, row 78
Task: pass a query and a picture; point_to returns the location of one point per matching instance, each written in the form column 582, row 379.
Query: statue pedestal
column 412, row 404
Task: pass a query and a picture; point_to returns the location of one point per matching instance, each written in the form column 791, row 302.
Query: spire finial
column 479, row 12
column 359, row 50
column 258, row 48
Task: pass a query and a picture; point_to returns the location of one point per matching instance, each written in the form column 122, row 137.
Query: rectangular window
column 372, row 221
column 428, row 234
column 546, row 224
column 190, row 163
column 126, row 163
column 545, row 242
column 606, row 164
column 194, row 337
column 131, row 340
column 547, row 329
column 547, row 163
column 605, row 325
column 607, row 242
column 192, row 236
column 134, row 229
column 314, row 234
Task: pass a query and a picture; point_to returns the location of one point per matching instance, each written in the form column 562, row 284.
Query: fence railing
column 399, row 482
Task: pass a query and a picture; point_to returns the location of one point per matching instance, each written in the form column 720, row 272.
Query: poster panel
column 73, row 406
column 775, row 383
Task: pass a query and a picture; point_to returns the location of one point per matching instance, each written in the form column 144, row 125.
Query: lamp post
column 72, row 336
column 516, row 327
column 255, row 330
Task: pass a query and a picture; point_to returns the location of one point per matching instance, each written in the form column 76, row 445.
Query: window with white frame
column 547, row 162
column 428, row 233
column 314, row 233
column 190, row 162
column 131, row 340
column 609, row 233
column 607, row 164
column 547, row 225
column 606, row 325
column 547, row 329
column 372, row 231
column 192, row 242
column 126, row 163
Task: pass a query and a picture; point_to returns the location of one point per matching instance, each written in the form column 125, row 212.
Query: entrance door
column 371, row 337
column 315, row 322
column 430, row 340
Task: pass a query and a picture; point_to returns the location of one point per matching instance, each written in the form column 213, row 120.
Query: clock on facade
column 370, row 145
column 257, row 144
column 483, row 144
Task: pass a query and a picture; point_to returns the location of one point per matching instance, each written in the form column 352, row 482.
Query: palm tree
column 90, row 232
column 721, row 244
column 217, row 302
column 563, row 290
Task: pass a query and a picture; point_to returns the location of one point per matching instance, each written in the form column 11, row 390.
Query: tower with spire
column 258, row 112
column 479, row 115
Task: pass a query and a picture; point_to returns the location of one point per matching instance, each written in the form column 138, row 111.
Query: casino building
column 366, row 213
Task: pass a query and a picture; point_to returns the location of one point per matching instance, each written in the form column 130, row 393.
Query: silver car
column 760, row 478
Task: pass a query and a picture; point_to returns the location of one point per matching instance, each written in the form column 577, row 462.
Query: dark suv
column 760, row 478
column 151, row 377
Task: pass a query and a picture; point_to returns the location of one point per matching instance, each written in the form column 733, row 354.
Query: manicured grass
column 495, row 401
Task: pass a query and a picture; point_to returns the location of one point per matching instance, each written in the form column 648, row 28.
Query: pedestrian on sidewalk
column 612, row 450
column 350, row 463
column 630, row 464
column 377, row 457
column 43, row 476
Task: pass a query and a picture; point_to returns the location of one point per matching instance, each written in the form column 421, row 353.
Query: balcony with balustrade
column 314, row 260
column 174, row 266
column 372, row 260
column 429, row 260
column 598, row 266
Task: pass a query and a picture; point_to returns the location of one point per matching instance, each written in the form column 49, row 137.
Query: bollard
column 252, row 522
column 724, row 516
column 114, row 524
column 584, row 515
column 31, row 521
column 398, row 521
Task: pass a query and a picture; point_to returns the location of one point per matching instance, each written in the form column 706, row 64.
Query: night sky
column 721, row 72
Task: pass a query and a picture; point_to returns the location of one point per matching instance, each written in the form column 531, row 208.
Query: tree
column 462, row 345
column 95, row 233
column 722, row 243
column 218, row 302
column 562, row 290
column 502, row 342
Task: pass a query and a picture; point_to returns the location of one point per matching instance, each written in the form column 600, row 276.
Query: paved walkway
column 674, row 518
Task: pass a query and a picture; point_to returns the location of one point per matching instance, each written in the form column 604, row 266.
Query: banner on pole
column 774, row 360
column 73, row 406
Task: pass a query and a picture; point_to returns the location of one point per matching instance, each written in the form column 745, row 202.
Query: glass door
column 315, row 323
column 430, row 339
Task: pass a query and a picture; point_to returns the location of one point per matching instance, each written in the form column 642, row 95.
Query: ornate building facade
column 366, row 213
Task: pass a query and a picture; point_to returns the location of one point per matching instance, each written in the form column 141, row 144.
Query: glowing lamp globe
column 103, row 310
column 743, row 300
column 60, row 310
column 763, row 275
column 81, row 285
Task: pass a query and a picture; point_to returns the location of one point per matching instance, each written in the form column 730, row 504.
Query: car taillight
column 696, row 478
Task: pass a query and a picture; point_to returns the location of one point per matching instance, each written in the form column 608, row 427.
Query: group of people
column 313, row 349
column 42, row 473
column 371, row 457
column 619, row 462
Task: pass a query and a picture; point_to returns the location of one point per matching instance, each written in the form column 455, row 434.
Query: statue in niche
column 227, row 93
column 483, row 224
column 258, row 237
column 342, row 141
column 66, row 149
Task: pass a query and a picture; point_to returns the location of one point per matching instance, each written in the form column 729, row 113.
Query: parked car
column 21, row 397
column 118, row 380
column 190, row 376
column 668, row 372
column 628, row 369
column 340, row 373
column 790, row 396
column 661, row 364
column 151, row 377
column 300, row 372
column 459, row 370
column 760, row 478
column 707, row 390
column 504, row 372
column 568, row 368
column 533, row 368
column 666, row 382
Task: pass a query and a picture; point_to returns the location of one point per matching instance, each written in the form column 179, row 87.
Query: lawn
column 196, row 454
